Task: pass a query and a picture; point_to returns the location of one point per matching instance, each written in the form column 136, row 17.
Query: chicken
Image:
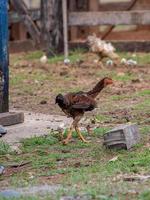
column 102, row 49
column 76, row 104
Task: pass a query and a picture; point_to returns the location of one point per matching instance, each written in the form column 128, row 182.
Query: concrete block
column 122, row 137
column 11, row 118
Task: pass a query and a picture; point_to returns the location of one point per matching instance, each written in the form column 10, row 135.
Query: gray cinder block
column 123, row 136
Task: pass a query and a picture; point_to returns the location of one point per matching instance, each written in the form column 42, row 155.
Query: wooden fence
column 86, row 18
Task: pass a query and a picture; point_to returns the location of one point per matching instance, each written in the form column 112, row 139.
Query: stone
column 43, row 102
column 11, row 118
column 9, row 194
column 2, row 169
column 3, row 131
column 122, row 137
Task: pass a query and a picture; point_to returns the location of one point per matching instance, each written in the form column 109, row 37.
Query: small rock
column 16, row 149
column 64, row 73
column 83, row 197
column 10, row 194
column 62, row 126
column 3, row 131
column 2, row 169
column 136, row 80
column 43, row 102
column 136, row 178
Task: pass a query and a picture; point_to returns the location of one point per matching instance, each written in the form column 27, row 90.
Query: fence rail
column 14, row 17
column 109, row 18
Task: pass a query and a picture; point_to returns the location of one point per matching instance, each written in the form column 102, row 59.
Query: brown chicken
column 75, row 104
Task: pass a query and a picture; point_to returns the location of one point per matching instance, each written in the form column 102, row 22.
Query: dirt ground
column 33, row 86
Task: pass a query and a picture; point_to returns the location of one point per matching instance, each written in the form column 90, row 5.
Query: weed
column 4, row 148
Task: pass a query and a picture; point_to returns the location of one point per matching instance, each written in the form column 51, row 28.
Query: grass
column 4, row 148
column 85, row 168
column 73, row 56
column 145, row 195
column 141, row 58
column 82, row 168
column 144, row 93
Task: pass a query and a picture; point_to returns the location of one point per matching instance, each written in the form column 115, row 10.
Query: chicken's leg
column 76, row 121
column 69, row 135
column 80, row 135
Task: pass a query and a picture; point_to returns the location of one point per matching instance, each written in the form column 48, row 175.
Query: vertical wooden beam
column 94, row 6
column 65, row 27
column 73, row 29
column 52, row 26
column 4, row 71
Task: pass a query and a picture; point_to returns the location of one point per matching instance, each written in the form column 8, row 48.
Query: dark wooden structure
column 51, row 26
column 6, row 118
column 84, row 17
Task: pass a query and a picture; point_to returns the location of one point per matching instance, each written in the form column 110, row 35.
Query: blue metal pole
column 4, row 60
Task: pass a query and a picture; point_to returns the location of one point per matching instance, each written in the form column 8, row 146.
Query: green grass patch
column 145, row 195
column 34, row 55
column 73, row 56
column 4, row 148
column 38, row 141
column 144, row 93
column 141, row 58
column 144, row 105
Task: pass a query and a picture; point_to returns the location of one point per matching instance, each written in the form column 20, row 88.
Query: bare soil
column 34, row 86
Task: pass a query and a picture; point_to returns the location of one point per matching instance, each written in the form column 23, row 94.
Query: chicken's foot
column 80, row 135
column 69, row 136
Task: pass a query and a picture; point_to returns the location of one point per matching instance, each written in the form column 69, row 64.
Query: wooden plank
column 14, row 17
column 130, row 6
column 22, row 46
column 115, row 6
column 130, row 46
column 109, row 18
column 94, row 6
column 18, row 31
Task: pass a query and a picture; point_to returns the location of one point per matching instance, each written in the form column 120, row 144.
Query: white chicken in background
column 102, row 49
column 66, row 61
column 44, row 59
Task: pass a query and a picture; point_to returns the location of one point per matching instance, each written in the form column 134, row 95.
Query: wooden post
column 73, row 29
column 4, row 71
column 65, row 27
column 52, row 26
column 94, row 6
